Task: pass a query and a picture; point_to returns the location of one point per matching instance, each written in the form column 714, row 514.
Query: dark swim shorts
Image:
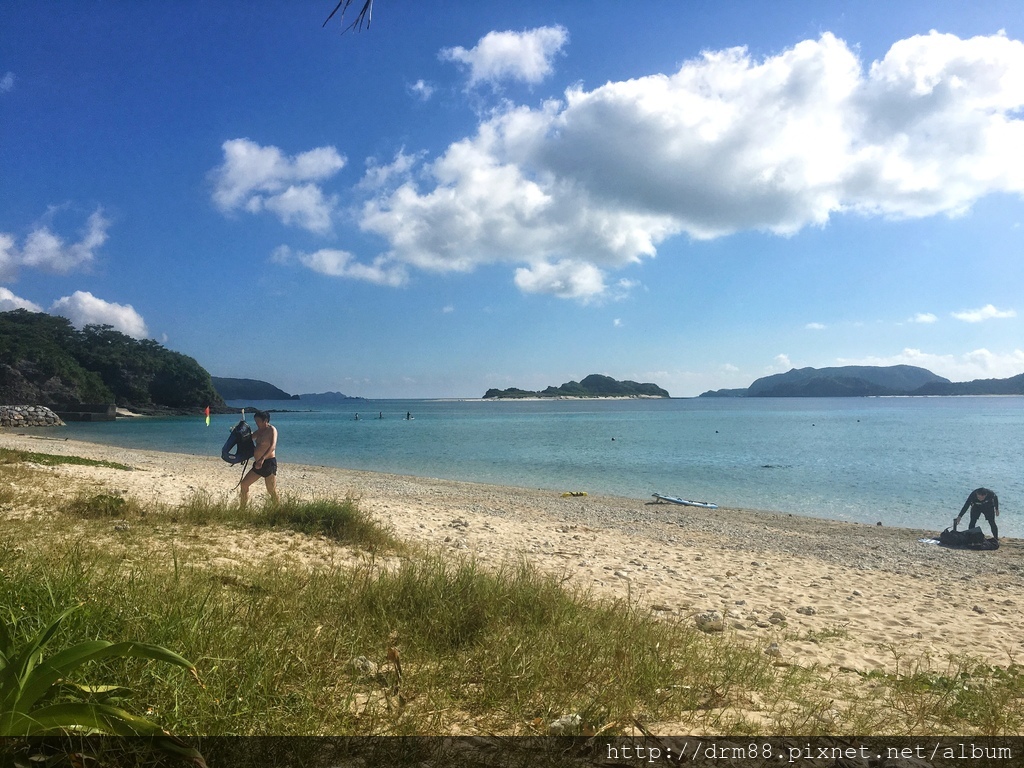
column 268, row 468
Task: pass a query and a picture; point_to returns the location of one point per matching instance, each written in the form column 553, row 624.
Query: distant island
column 326, row 398
column 249, row 389
column 869, row 381
column 594, row 385
column 253, row 389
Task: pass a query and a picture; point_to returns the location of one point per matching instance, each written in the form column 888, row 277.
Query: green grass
column 103, row 505
column 15, row 456
column 340, row 520
column 274, row 645
column 453, row 644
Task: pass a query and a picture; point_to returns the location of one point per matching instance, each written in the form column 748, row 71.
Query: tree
column 44, row 359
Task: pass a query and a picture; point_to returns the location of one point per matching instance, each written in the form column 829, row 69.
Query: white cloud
column 978, row 364
column 338, row 263
column 988, row 312
column 9, row 257
column 567, row 279
column 256, row 178
column 9, row 301
column 7, row 82
column 782, row 362
column 524, row 56
column 596, row 181
column 48, row 251
column 422, row 90
column 379, row 176
column 923, row 317
column 82, row 308
column 815, row 327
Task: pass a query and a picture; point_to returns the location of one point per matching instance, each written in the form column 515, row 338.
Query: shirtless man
column 264, row 460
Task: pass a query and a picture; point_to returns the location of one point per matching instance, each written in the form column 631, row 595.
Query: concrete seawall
column 28, row 416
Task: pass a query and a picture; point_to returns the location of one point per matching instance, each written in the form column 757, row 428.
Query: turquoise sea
column 903, row 461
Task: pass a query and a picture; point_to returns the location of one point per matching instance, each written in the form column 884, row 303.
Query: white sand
column 852, row 597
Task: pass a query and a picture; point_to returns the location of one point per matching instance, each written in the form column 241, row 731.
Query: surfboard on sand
column 685, row 502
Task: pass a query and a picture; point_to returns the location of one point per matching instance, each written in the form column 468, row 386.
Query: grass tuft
column 338, row 520
column 15, row 456
column 103, row 506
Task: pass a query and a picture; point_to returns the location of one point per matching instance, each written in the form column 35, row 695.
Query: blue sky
column 472, row 195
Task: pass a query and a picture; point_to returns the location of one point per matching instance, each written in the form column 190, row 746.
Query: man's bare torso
column 266, row 442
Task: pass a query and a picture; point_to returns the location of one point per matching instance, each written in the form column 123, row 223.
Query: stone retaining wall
column 28, row 416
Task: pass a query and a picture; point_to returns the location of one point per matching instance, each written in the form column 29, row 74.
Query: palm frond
column 365, row 15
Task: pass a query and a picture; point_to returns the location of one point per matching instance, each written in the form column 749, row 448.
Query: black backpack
column 972, row 538
column 241, row 441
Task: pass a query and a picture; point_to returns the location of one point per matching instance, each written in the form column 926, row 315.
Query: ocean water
column 906, row 462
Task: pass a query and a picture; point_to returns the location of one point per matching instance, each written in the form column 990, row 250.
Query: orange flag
column 207, row 415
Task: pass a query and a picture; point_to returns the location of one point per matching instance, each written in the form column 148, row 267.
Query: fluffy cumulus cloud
column 568, row 279
column 9, row 301
column 45, row 250
column 7, row 82
column 580, row 186
column 988, row 312
column 978, row 364
column 924, row 318
column 522, row 56
column 255, row 178
column 82, row 308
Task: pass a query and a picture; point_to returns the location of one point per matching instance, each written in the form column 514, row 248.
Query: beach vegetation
column 418, row 641
column 340, row 520
column 103, row 505
column 337, row 519
column 39, row 695
column 15, row 456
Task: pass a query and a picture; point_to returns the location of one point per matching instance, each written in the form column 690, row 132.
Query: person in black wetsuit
column 982, row 501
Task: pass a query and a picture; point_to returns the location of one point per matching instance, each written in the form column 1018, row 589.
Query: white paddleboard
column 685, row 502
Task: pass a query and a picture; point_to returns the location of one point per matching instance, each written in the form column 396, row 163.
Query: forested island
column 869, row 381
column 249, row 389
column 594, row 385
column 254, row 389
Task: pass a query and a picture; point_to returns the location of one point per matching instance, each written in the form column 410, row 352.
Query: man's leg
column 974, row 517
column 991, row 517
column 243, row 488
column 272, row 487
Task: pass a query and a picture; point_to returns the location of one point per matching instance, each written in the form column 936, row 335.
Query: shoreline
column 850, row 597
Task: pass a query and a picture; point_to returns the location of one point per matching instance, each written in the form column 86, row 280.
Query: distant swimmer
column 381, row 416
column 408, row 415
column 357, row 417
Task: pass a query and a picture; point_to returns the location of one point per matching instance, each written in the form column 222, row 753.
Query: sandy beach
column 846, row 597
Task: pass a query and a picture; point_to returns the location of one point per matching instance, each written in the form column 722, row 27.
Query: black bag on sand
column 972, row 538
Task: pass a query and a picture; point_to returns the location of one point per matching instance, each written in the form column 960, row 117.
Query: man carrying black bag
column 982, row 501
